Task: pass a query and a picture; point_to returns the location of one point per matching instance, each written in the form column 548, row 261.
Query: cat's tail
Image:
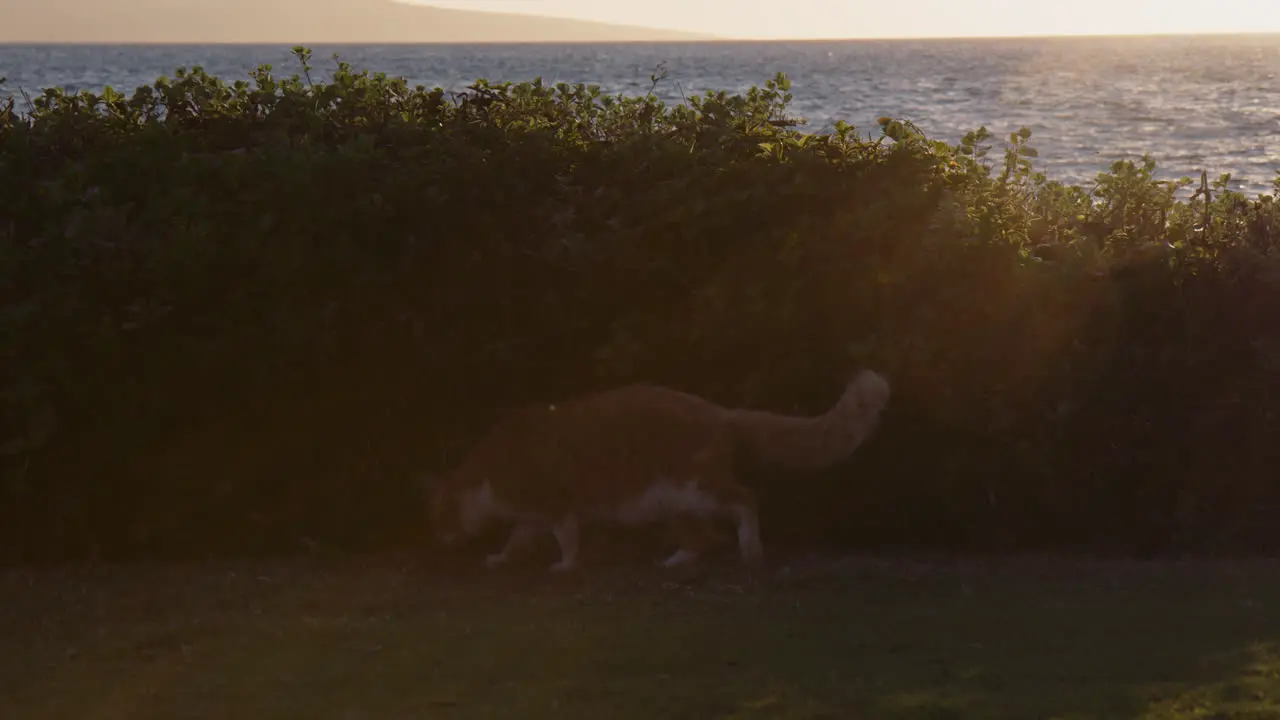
column 812, row 443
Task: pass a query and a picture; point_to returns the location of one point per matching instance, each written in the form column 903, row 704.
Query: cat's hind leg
column 566, row 532
column 740, row 504
column 718, row 498
column 521, row 536
column 693, row 535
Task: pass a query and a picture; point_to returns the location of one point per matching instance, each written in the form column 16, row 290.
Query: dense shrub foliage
column 241, row 318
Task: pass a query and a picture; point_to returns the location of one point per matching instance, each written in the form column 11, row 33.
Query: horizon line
column 673, row 41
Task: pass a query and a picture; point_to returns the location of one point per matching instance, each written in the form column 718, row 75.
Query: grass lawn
column 805, row 638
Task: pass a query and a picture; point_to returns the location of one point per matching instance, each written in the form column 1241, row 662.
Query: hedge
column 243, row 318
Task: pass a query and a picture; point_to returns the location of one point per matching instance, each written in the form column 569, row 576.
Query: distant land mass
column 294, row 21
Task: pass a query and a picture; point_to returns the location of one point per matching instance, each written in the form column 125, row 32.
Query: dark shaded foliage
column 241, row 318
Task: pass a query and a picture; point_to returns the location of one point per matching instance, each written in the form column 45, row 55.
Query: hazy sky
column 906, row 18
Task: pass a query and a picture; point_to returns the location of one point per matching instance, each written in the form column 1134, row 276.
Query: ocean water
column 1194, row 103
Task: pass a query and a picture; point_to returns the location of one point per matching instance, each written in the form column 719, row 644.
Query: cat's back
column 641, row 403
column 638, row 432
column 638, row 415
column 600, row 449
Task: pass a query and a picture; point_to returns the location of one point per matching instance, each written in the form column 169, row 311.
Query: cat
column 639, row 454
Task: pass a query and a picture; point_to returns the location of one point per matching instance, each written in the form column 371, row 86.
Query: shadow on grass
column 817, row 639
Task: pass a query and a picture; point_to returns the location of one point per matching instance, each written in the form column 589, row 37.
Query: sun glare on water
column 812, row 19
